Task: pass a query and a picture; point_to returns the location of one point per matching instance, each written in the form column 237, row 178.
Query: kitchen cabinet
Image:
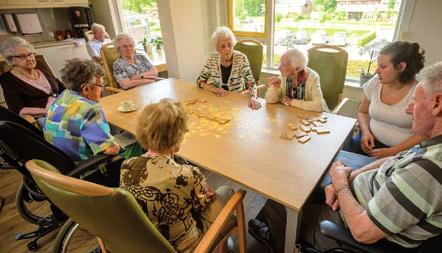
column 20, row 4
column 57, row 55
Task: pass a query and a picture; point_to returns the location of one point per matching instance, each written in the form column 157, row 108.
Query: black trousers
column 274, row 215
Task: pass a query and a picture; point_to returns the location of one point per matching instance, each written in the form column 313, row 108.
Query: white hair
column 297, row 58
column 222, row 32
column 7, row 48
column 121, row 36
column 97, row 27
column 432, row 78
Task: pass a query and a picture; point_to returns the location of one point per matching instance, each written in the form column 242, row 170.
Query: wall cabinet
column 20, row 4
column 57, row 55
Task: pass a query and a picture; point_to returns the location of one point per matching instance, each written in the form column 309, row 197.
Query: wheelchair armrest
column 89, row 164
column 343, row 236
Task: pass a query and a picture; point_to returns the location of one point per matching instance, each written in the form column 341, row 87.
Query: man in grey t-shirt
column 397, row 198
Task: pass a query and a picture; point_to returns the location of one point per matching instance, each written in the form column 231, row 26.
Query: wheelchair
column 20, row 142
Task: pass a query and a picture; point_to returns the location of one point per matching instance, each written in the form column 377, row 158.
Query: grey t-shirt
column 390, row 124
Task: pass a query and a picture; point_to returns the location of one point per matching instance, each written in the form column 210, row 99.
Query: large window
column 360, row 27
column 140, row 19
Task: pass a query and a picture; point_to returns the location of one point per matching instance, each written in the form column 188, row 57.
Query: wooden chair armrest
column 29, row 119
column 113, row 90
column 340, row 106
column 234, row 203
column 101, row 244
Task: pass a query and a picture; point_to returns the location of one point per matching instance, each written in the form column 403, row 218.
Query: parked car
column 302, row 38
column 339, row 39
column 319, row 38
column 290, row 40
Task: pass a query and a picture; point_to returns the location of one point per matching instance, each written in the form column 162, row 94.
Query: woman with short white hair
column 297, row 85
column 28, row 90
column 228, row 69
column 132, row 69
column 95, row 44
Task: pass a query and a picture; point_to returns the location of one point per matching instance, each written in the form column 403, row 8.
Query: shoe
column 260, row 231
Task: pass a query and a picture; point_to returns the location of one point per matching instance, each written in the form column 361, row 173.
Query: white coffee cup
column 128, row 104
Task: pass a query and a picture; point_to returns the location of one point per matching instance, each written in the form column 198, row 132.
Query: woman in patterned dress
column 132, row 69
column 171, row 194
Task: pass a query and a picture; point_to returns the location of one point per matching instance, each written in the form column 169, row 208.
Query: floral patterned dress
column 168, row 192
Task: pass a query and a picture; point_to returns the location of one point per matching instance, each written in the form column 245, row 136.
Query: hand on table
column 286, row 100
column 274, row 81
column 254, row 103
column 220, row 92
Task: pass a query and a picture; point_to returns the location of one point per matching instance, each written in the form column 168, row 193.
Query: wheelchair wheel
column 31, row 208
column 72, row 238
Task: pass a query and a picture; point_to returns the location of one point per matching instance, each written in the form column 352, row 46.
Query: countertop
column 53, row 43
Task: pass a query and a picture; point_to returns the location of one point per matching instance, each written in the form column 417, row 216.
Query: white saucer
column 121, row 109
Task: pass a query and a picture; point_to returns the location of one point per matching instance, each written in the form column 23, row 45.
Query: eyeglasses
column 23, row 56
column 94, row 84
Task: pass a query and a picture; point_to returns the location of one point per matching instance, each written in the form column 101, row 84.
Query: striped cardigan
column 240, row 78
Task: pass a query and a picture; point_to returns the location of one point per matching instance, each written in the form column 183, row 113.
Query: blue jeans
column 353, row 160
column 354, row 145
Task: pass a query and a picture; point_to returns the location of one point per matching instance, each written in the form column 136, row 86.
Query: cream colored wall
column 184, row 28
column 104, row 13
column 424, row 28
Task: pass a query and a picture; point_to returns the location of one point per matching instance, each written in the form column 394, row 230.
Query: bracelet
column 337, row 191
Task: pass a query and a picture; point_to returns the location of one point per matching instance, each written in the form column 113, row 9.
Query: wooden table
column 249, row 151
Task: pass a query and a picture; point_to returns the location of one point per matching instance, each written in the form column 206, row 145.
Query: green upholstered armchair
column 330, row 63
column 110, row 54
column 114, row 216
column 253, row 50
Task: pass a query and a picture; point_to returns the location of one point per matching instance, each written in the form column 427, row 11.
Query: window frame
column 230, row 16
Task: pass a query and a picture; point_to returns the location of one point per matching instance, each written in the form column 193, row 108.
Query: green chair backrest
column 253, row 50
column 111, row 214
column 330, row 63
column 110, row 54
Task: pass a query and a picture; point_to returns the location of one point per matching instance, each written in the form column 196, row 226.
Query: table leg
column 291, row 235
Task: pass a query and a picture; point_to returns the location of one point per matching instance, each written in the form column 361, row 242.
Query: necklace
column 35, row 75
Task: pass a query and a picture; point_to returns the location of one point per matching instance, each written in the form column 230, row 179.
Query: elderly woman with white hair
column 28, row 90
column 95, row 44
column 132, row 69
column 227, row 69
column 297, row 85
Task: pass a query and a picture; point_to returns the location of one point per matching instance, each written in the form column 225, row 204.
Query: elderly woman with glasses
column 297, row 85
column 228, row 69
column 132, row 69
column 75, row 123
column 28, row 90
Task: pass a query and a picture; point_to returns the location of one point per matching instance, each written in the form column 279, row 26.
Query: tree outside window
column 141, row 20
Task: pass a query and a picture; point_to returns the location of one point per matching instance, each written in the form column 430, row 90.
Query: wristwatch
column 142, row 77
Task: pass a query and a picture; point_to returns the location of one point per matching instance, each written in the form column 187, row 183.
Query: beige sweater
column 313, row 100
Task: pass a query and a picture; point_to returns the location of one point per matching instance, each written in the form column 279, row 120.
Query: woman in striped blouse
column 227, row 69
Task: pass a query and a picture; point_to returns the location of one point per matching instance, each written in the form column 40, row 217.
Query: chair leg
column 241, row 227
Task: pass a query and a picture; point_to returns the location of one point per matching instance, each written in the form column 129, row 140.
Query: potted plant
column 147, row 46
column 373, row 50
column 159, row 43
column 366, row 75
